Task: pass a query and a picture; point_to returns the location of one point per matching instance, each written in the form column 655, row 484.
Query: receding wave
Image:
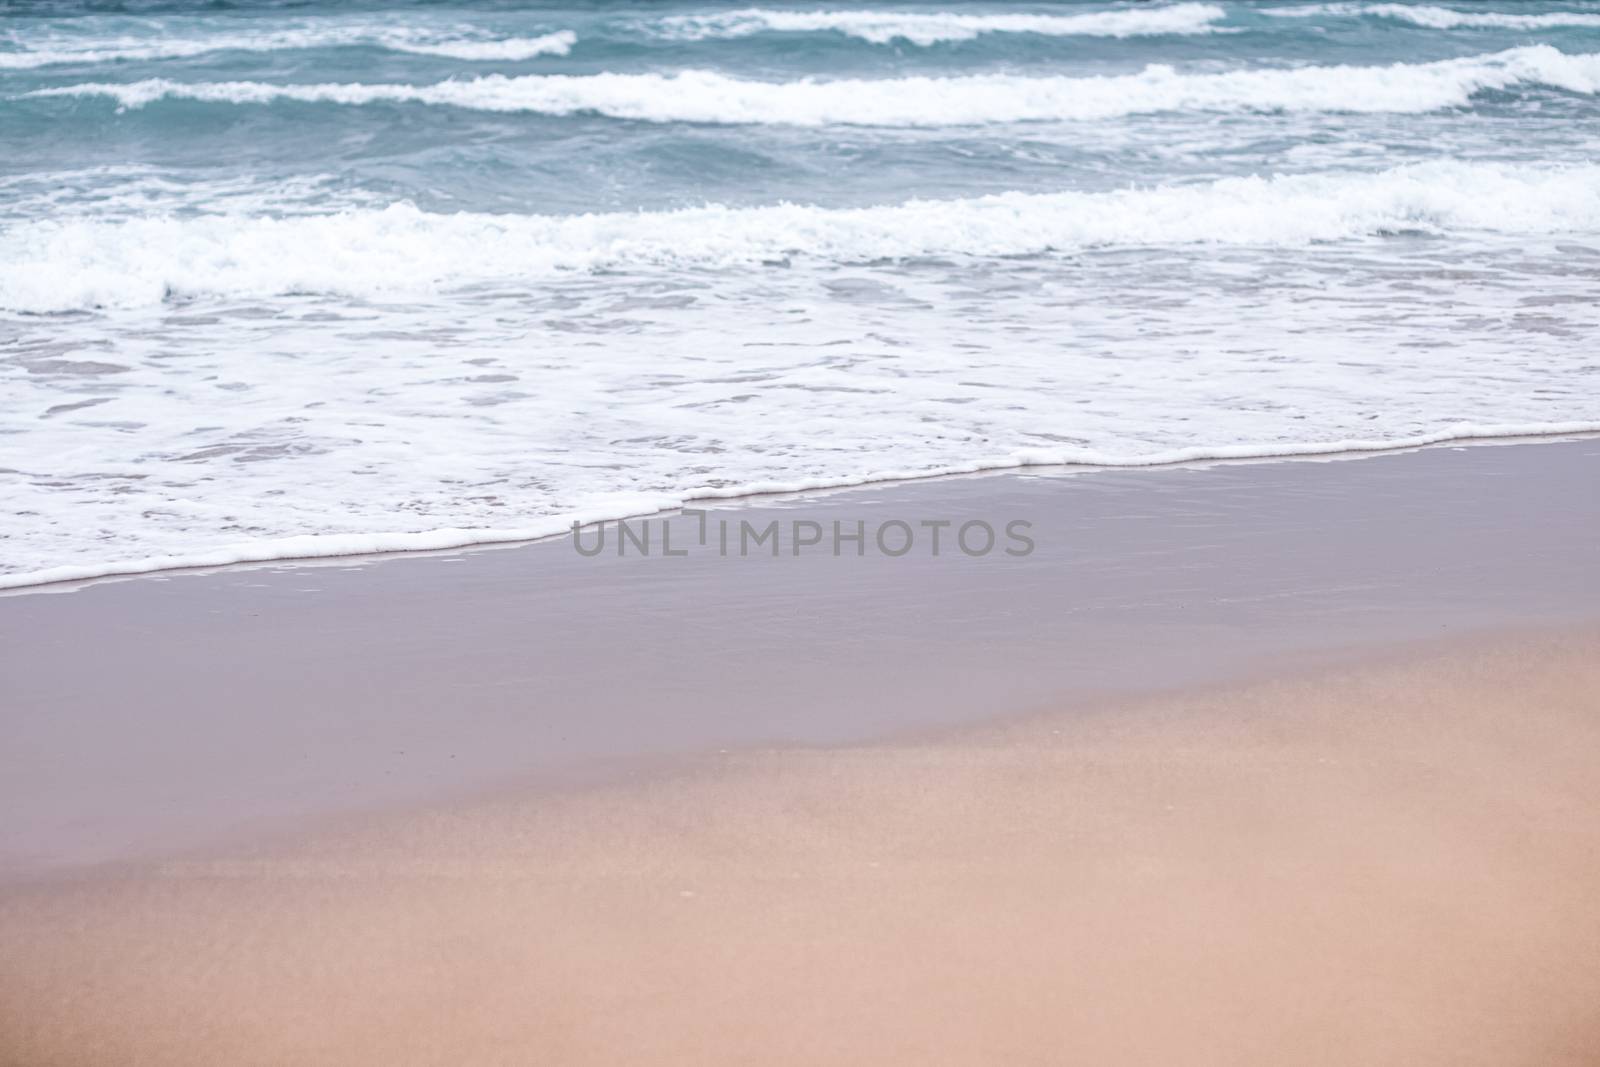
column 929, row 28
column 1444, row 18
column 65, row 265
column 622, row 506
column 709, row 97
column 134, row 49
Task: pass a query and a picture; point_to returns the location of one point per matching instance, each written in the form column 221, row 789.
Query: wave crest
column 134, row 49
column 930, row 28
column 64, row 265
column 709, row 97
column 1444, row 18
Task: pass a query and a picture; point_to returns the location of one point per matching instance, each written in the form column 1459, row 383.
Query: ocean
column 297, row 279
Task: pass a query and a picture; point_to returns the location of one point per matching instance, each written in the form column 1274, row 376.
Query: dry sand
column 1391, row 864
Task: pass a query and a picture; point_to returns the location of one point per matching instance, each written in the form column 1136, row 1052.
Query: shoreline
column 336, row 548
column 1387, row 862
column 246, row 702
column 578, row 535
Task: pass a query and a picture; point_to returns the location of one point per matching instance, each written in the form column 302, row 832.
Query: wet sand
column 156, row 715
column 1248, row 764
column 1391, row 863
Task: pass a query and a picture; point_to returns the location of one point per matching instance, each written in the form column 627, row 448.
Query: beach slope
column 1394, row 862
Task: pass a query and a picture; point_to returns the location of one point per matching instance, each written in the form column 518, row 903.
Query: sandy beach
column 1271, row 763
column 1388, row 864
column 823, row 534
column 253, row 701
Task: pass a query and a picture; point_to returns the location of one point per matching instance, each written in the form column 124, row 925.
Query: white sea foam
column 929, row 28
column 1444, row 18
column 508, row 49
column 45, row 52
column 633, row 505
column 247, row 428
column 64, row 264
column 706, row 96
column 132, row 190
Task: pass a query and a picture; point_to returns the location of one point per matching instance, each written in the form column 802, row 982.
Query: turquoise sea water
column 287, row 278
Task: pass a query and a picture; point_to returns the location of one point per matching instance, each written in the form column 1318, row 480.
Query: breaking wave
column 1444, row 18
column 78, row 264
column 929, row 28
column 709, row 97
column 126, row 49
